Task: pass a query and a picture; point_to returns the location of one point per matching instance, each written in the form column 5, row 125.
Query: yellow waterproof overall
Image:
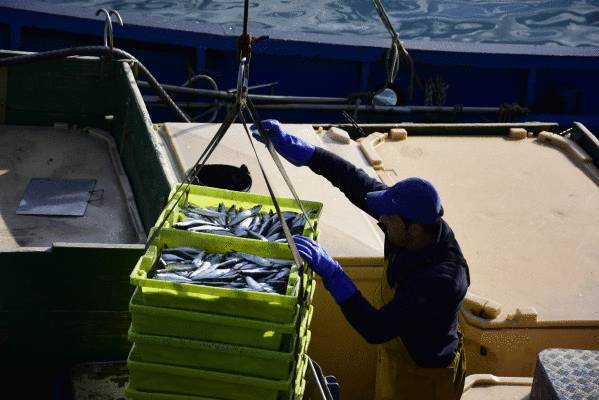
column 398, row 377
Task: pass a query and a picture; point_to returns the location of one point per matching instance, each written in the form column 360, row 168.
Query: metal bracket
column 319, row 383
column 242, row 83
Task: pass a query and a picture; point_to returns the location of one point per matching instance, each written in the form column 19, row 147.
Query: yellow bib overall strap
column 398, row 376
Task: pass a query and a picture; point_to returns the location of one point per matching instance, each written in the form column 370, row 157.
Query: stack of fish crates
column 220, row 340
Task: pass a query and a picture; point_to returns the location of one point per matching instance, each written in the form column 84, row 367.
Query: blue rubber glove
column 334, row 278
column 292, row 148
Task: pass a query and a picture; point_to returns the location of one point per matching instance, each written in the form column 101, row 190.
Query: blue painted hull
column 557, row 83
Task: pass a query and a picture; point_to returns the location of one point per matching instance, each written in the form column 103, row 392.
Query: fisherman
column 414, row 320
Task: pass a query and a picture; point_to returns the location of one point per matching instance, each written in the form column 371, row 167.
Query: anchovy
column 172, row 278
column 193, row 223
column 173, row 267
column 283, row 272
column 245, row 214
column 169, row 257
column 257, row 236
column 263, row 262
column 249, row 223
column 276, row 261
column 233, row 270
column 207, row 228
column 253, row 284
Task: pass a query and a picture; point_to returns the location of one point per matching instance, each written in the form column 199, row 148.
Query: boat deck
column 351, row 235
column 46, row 152
column 524, row 213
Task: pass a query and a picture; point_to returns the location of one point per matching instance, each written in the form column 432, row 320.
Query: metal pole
column 223, row 95
column 152, row 103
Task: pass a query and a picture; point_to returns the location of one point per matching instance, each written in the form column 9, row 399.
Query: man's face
column 397, row 231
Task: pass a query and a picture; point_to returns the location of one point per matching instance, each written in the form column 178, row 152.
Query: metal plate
column 58, row 197
column 564, row 374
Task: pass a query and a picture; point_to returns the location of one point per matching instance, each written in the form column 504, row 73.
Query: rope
column 435, row 93
column 399, row 52
column 509, row 112
column 245, row 41
column 441, row 88
column 428, row 93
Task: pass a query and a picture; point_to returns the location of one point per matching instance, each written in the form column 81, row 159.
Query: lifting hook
column 108, row 26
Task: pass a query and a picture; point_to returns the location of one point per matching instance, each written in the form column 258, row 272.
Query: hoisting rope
column 244, row 43
column 509, row 112
column 435, row 93
column 398, row 52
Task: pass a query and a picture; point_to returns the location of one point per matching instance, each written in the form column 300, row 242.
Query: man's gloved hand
column 335, row 279
column 292, row 148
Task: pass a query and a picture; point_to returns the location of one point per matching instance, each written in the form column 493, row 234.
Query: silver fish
column 263, row 262
column 245, row 214
column 207, row 228
column 172, row 278
column 207, row 212
column 245, row 223
column 253, row 284
column 233, row 270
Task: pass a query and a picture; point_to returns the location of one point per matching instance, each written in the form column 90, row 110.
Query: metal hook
column 242, row 81
column 108, row 26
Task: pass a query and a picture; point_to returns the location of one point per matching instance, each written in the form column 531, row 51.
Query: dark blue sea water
column 544, row 22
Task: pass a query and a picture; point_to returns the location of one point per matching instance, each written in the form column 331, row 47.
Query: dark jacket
column 429, row 286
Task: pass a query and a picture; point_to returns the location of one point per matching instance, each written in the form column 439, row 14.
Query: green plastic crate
column 299, row 383
column 160, row 378
column 151, row 320
column 248, row 304
column 135, row 394
column 296, row 394
column 221, row 356
column 203, row 196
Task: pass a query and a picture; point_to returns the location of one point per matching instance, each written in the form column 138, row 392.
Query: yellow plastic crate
column 160, row 378
column 202, row 196
column 222, row 357
column 296, row 394
column 160, row 321
column 248, row 304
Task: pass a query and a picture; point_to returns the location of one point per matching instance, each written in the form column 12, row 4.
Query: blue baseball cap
column 413, row 198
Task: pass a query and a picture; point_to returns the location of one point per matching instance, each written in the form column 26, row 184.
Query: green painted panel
column 140, row 156
column 58, row 94
column 68, row 304
column 56, row 90
column 69, row 278
column 35, row 346
column 38, row 118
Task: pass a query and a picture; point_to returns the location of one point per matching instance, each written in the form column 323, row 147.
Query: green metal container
column 221, row 357
column 160, row 378
column 202, row 196
column 151, row 320
column 223, row 301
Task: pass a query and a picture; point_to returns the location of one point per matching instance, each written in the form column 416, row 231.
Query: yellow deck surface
column 524, row 214
column 346, row 231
